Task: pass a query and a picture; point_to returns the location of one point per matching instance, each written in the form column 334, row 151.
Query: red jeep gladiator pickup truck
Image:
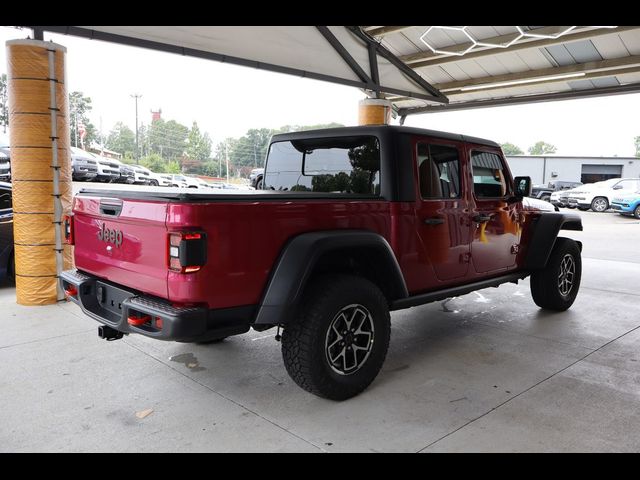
column 352, row 223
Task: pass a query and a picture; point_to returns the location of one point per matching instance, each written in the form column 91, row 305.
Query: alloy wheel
column 349, row 339
column 566, row 275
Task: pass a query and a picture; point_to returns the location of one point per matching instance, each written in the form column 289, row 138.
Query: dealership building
column 544, row 168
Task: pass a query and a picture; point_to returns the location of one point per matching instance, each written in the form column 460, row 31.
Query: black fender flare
column 545, row 231
column 297, row 260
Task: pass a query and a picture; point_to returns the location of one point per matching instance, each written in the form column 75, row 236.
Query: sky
column 227, row 100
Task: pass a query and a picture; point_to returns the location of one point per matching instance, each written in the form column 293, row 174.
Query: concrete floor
column 485, row 372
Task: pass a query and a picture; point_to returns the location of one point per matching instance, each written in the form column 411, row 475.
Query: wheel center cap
column 348, row 338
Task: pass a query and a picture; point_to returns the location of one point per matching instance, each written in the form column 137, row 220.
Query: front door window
column 496, row 232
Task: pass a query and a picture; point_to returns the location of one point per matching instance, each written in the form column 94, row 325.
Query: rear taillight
column 67, row 222
column 70, row 290
column 187, row 251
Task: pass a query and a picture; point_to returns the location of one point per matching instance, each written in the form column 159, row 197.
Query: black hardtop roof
column 376, row 129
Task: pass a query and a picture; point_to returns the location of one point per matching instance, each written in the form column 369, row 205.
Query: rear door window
column 438, row 171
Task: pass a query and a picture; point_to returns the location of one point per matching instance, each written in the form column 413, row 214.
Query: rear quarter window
column 344, row 165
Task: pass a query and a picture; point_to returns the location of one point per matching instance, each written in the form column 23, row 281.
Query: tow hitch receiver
column 109, row 333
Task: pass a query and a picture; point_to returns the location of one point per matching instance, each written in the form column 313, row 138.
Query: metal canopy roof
column 338, row 54
column 420, row 68
column 479, row 66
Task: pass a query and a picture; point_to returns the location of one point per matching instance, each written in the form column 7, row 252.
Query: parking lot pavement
column 488, row 371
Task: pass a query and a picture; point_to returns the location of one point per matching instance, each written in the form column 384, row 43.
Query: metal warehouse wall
column 541, row 169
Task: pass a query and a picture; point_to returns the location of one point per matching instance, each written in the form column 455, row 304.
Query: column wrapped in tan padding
column 40, row 167
column 374, row 111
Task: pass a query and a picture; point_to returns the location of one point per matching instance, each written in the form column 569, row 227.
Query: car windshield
column 606, row 183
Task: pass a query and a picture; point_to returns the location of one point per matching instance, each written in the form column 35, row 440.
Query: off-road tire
column 305, row 337
column 545, row 284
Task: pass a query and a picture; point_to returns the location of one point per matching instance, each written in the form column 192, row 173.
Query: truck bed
column 245, row 231
column 173, row 194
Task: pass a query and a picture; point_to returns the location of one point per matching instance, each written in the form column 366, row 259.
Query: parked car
column 561, row 198
column 201, row 183
column 229, row 186
column 6, row 232
column 158, row 180
column 178, row 180
column 627, row 204
column 543, row 192
column 598, row 196
column 5, row 165
column 167, row 180
column 186, row 181
column 255, row 178
column 108, row 169
column 225, row 186
column 5, row 158
column 127, row 173
column 193, row 182
column 84, row 165
column 383, row 218
column 141, row 175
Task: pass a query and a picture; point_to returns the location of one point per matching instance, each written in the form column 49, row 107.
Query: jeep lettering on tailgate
column 110, row 235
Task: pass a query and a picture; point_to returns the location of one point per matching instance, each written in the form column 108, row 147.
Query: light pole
column 137, row 96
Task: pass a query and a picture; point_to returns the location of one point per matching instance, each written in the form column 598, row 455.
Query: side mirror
column 522, row 187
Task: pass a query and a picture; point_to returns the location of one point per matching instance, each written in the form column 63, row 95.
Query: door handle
column 434, row 221
column 482, row 218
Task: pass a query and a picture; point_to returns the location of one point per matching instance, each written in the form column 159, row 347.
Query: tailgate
column 124, row 241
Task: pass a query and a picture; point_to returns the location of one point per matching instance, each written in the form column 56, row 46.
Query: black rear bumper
column 112, row 305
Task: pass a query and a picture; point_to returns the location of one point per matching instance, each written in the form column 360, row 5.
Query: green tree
column 79, row 108
column 250, row 150
column 122, row 139
column 541, row 148
column 511, row 149
column 172, row 167
column 143, row 140
column 210, row 168
column 637, row 143
column 198, row 144
column 224, row 149
column 198, row 150
column 154, row 162
column 167, row 139
column 4, row 110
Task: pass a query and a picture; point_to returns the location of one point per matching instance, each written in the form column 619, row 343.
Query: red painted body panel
column 140, row 262
column 246, row 236
column 244, row 240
